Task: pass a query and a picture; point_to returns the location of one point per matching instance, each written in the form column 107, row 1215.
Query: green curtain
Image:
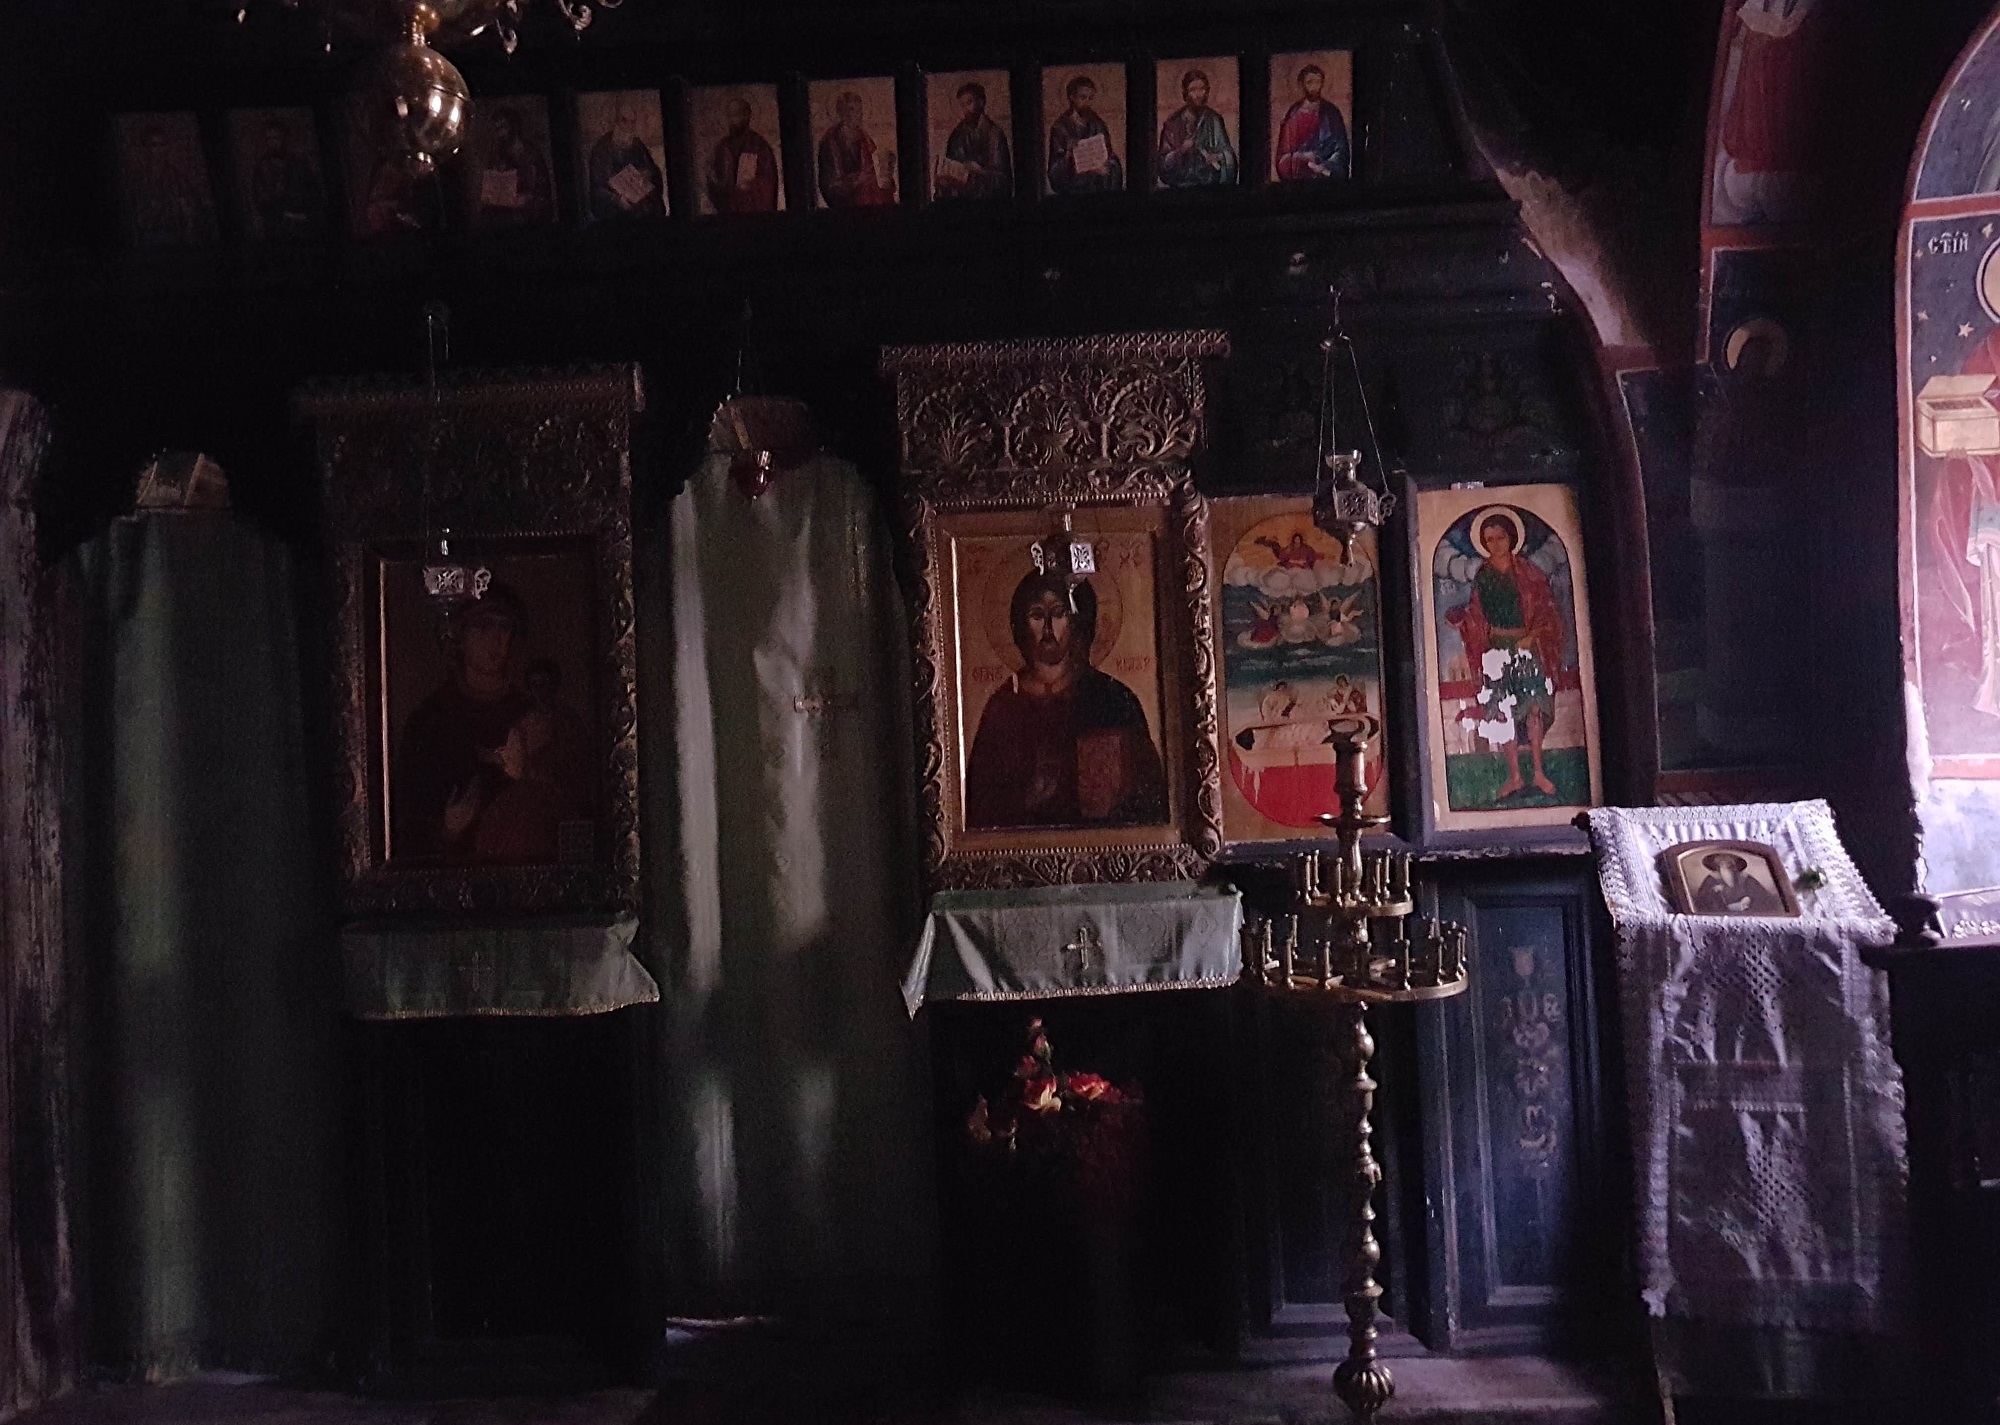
column 790, row 1144
column 208, row 959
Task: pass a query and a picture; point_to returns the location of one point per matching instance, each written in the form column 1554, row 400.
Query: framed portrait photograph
column 1066, row 685
column 163, row 185
column 508, row 172
column 484, row 694
column 854, row 142
column 969, row 119
column 1298, row 641
column 1083, row 123
column 274, row 164
column 1727, row 878
column 1312, row 116
column 738, row 148
column 1507, row 688
column 1197, row 123
column 621, row 157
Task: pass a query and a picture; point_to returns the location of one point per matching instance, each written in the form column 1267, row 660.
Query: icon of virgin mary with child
column 492, row 766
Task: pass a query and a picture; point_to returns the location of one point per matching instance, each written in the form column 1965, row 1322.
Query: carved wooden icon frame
column 518, row 700
column 999, row 441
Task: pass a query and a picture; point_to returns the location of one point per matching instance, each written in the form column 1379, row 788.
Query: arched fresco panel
column 1948, row 321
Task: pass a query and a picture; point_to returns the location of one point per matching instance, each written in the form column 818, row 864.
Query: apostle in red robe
column 1312, row 141
column 743, row 170
column 851, row 173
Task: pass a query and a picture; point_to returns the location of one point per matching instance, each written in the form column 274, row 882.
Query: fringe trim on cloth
column 1767, row 1110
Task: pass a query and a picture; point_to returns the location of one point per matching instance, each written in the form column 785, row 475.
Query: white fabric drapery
column 1766, row 1106
column 795, row 1116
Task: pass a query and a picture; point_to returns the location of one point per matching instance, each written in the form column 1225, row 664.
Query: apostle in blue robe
column 1081, row 158
column 1195, row 151
column 978, row 163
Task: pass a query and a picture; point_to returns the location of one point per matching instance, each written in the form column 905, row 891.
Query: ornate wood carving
column 1039, row 425
column 507, row 454
column 39, row 1328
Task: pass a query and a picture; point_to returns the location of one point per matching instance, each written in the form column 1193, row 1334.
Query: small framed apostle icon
column 1312, row 116
column 621, row 156
column 163, row 182
column 1083, row 120
column 969, row 116
column 1198, row 123
column 854, row 143
column 507, row 169
column 738, row 148
column 274, row 166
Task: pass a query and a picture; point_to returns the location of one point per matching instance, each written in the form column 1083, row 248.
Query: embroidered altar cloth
column 1054, row 941
column 438, row 972
column 1766, row 1108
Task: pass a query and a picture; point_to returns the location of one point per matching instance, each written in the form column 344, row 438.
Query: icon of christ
column 1061, row 743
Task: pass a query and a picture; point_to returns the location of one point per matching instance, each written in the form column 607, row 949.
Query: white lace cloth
column 1766, row 1107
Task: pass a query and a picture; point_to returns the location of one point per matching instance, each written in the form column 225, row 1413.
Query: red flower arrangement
column 1080, row 1127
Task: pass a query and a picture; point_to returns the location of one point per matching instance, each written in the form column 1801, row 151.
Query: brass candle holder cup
column 1348, row 939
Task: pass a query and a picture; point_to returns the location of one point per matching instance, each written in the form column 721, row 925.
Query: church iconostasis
column 1060, row 697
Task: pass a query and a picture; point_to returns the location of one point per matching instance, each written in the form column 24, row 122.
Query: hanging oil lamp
column 448, row 583
column 1345, row 505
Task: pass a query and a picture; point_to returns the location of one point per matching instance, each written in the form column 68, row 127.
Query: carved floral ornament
column 1120, row 414
column 1009, row 434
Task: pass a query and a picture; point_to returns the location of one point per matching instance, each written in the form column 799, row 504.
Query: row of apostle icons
column 734, row 135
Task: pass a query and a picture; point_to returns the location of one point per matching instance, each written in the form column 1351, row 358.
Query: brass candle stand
column 1347, row 939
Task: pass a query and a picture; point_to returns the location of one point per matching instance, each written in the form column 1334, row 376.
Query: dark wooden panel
column 1520, row 1238
column 499, row 1204
column 1183, row 1268
column 1946, row 1003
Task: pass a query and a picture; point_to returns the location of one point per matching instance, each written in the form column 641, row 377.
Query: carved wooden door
column 1525, row 1225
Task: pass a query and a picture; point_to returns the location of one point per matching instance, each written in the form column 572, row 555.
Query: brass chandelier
column 417, row 102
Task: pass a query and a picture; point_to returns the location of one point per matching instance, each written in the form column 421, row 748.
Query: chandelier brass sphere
column 417, row 104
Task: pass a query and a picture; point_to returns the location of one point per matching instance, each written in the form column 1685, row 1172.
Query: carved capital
column 1096, row 419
